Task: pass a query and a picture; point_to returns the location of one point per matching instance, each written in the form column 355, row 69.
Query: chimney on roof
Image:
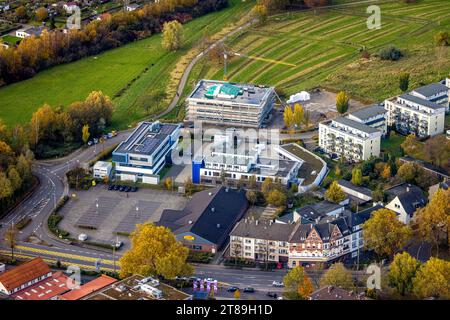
column 190, row 221
column 227, row 189
column 407, row 188
column 256, row 222
column 213, row 209
column 218, row 226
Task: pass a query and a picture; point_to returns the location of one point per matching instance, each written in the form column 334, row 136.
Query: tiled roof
column 45, row 289
column 88, row 288
column 24, row 273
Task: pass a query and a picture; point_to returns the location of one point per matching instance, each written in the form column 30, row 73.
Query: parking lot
column 103, row 215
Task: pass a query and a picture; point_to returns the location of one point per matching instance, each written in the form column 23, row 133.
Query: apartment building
column 142, row 156
column 411, row 114
column 220, row 102
column 344, row 137
column 301, row 241
column 438, row 93
column 373, row 116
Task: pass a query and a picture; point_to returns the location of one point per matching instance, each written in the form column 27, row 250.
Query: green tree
column 357, row 177
column 338, row 276
column 342, row 102
column 407, row 172
column 433, row 279
column 404, row 81
column 21, row 12
column 14, row 178
column 172, row 35
column 334, row 193
column 298, row 285
column 402, row 271
column 85, row 133
column 384, row 233
column 155, row 251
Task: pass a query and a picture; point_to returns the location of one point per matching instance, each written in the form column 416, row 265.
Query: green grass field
column 325, row 49
column 110, row 72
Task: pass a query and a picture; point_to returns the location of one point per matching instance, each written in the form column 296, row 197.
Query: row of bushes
column 200, row 257
column 54, row 219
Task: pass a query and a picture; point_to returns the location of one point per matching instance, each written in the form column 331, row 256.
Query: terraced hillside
column 324, row 48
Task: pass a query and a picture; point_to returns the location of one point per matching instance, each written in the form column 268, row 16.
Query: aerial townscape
column 239, row 150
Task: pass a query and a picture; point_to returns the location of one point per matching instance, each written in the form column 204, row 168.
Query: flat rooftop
column 128, row 289
column 431, row 89
column 420, row 101
column 227, row 91
column 355, row 125
column 369, row 112
column 146, row 138
column 310, row 164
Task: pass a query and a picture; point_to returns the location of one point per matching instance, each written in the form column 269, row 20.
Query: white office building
column 411, row 114
column 355, row 141
column 438, row 93
column 102, row 170
column 146, row 151
column 220, row 102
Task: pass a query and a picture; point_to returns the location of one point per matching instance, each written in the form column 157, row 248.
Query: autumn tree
column 404, row 81
column 437, row 151
column 384, row 233
column 155, row 251
column 411, row 146
column 85, row 133
column 298, row 285
column 276, row 198
column 298, row 115
column 237, row 294
column 21, row 12
column 14, row 178
column 259, row 11
column 172, row 35
column 442, row 39
column 402, row 271
column 338, row 276
column 407, row 172
column 433, row 220
column 252, row 196
column 357, row 178
column 41, row 14
column 6, row 188
column 342, row 102
column 433, row 279
column 288, row 117
column 334, row 193
column 168, row 183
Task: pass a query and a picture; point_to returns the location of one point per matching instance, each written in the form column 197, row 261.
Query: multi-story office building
column 221, row 102
column 373, row 116
column 411, row 114
column 300, row 241
column 235, row 160
column 355, row 141
column 142, row 156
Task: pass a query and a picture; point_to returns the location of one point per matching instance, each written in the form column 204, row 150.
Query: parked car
column 95, row 140
column 249, row 290
column 111, row 187
column 232, row 289
column 90, row 143
column 82, row 237
column 272, row 294
column 127, row 189
column 134, row 189
column 118, row 244
column 122, row 188
column 116, row 187
column 277, row 284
